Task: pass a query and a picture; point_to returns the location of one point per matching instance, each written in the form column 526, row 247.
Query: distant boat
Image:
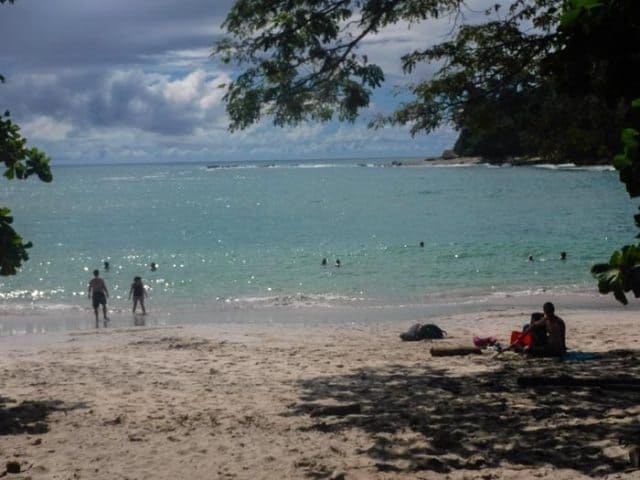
column 213, row 166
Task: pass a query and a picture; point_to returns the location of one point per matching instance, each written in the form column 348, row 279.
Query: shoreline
column 298, row 310
column 237, row 400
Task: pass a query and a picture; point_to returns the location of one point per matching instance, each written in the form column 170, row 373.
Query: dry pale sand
column 232, row 401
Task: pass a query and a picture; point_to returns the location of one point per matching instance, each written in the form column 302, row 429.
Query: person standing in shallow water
column 98, row 294
column 138, row 292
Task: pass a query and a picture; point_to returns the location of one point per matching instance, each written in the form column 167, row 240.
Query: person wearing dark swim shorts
column 98, row 293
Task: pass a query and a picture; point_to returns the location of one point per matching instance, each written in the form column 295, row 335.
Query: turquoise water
column 255, row 235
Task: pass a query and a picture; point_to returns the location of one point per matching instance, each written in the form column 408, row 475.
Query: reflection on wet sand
column 139, row 320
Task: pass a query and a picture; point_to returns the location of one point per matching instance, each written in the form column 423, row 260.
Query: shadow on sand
column 423, row 419
column 29, row 416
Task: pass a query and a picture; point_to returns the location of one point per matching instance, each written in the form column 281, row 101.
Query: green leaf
column 621, row 161
column 620, row 296
column 629, row 137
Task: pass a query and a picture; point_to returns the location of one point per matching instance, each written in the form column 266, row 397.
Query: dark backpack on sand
column 432, row 331
column 421, row 332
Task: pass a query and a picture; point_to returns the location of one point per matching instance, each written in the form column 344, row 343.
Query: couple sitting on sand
column 544, row 336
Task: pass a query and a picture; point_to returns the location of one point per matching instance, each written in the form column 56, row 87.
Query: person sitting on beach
column 138, row 291
column 538, row 333
column 555, row 330
column 98, row 292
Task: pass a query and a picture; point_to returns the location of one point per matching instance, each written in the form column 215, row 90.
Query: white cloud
column 160, row 103
column 186, row 90
column 45, row 128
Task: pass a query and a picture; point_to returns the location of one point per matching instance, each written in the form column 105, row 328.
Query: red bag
column 482, row 342
column 521, row 339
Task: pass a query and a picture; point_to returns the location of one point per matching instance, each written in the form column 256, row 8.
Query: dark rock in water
column 449, row 155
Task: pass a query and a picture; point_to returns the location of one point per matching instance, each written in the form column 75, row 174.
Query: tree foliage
column 487, row 84
column 300, row 57
column 501, row 83
column 20, row 163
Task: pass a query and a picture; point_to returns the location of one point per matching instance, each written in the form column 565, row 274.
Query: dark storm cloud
column 120, row 99
column 92, row 63
column 62, row 33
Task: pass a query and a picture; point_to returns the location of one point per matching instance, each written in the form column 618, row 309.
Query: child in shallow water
column 138, row 292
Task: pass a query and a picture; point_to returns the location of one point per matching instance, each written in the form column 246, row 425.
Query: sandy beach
column 246, row 402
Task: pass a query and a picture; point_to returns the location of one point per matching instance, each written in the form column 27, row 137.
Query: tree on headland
column 502, row 85
column 21, row 162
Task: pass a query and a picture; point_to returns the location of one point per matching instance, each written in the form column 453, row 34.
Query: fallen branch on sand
column 451, row 351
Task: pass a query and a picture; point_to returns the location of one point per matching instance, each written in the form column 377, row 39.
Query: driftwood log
column 611, row 383
column 452, row 351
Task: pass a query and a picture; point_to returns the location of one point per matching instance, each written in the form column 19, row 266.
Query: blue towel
column 580, row 356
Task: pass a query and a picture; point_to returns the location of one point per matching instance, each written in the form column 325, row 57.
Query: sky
column 121, row 81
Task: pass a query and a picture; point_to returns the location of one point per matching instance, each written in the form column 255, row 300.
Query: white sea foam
column 451, row 165
column 573, row 166
column 294, row 301
column 323, row 165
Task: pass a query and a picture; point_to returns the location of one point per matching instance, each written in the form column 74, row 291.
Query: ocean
column 246, row 240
